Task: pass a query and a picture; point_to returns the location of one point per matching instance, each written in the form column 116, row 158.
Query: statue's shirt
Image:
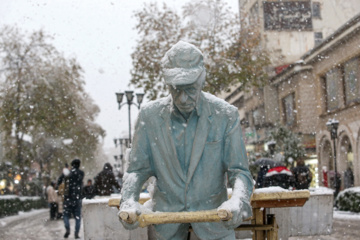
column 183, row 134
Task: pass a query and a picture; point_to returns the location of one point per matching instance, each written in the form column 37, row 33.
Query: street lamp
column 129, row 97
column 332, row 126
column 122, row 142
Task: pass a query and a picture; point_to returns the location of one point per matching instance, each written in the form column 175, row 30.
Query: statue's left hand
column 239, row 209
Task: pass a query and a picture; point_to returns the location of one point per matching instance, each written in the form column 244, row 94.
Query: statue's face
column 185, row 97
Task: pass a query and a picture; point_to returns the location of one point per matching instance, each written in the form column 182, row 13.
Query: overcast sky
column 101, row 35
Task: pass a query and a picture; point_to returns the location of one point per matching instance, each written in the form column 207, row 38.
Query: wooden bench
column 262, row 225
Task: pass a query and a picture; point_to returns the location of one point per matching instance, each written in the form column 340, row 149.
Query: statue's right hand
column 129, row 211
column 128, row 223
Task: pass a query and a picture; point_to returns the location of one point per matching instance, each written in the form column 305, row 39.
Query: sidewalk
column 346, row 226
column 35, row 225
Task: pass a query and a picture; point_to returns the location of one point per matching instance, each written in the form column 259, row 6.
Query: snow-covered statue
column 191, row 142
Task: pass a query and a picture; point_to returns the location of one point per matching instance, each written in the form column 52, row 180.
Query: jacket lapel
column 201, row 134
column 171, row 155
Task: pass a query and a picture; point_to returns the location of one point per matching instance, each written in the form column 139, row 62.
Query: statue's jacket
column 218, row 154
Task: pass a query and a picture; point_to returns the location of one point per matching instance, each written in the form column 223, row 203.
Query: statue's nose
column 183, row 97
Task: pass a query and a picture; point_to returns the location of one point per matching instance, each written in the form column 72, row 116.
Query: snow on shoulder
column 221, row 106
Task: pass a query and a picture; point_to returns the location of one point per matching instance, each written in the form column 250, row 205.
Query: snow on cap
column 182, row 64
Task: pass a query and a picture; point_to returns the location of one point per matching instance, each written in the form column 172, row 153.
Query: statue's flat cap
column 182, row 64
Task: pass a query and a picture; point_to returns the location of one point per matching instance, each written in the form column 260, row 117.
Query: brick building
column 309, row 88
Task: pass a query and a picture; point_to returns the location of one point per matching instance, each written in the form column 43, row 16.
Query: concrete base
column 314, row 218
column 101, row 222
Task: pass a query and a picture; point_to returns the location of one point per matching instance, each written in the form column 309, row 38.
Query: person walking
column 302, row 175
column 72, row 197
column 61, row 190
column 52, row 200
column 105, row 181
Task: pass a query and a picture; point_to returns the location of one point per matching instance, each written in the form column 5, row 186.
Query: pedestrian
column 302, row 175
column 72, row 197
column 192, row 143
column 105, row 182
column 279, row 176
column 52, row 198
column 89, row 190
column 61, row 190
column 261, row 176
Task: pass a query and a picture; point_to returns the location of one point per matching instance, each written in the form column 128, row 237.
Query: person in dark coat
column 72, row 197
column 261, row 176
column 302, row 175
column 279, row 176
column 89, row 190
column 105, row 181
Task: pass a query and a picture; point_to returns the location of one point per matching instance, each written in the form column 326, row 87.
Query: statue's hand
column 129, row 211
column 240, row 210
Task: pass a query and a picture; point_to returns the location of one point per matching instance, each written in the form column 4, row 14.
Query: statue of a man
column 192, row 143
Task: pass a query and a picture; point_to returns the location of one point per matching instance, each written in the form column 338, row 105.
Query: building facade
column 296, row 95
column 290, row 28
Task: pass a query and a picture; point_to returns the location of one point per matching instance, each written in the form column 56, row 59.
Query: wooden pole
column 146, row 219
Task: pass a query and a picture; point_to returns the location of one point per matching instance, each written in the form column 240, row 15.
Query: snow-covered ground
column 21, row 215
column 35, row 225
column 342, row 215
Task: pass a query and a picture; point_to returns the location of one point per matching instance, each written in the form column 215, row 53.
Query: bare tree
column 45, row 114
column 232, row 54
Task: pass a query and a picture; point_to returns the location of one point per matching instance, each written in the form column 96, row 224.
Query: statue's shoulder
column 219, row 106
column 156, row 106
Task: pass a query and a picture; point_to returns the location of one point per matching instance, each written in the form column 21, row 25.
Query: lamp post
column 122, row 142
column 129, row 97
column 332, row 126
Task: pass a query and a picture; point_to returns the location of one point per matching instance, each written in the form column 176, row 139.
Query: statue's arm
column 238, row 172
column 139, row 163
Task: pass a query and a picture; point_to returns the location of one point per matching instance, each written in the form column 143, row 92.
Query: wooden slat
column 279, row 199
column 249, row 227
column 278, row 203
column 259, row 221
column 115, row 202
column 280, row 195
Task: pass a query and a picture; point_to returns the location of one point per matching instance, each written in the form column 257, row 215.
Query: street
column 342, row 229
column 36, row 226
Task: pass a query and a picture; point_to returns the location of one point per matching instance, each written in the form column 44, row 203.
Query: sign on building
column 295, row 15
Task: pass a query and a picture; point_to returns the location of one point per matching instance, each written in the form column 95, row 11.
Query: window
column 318, row 37
column 352, row 80
column 289, row 110
column 316, row 10
column 333, row 81
column 239, row 103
